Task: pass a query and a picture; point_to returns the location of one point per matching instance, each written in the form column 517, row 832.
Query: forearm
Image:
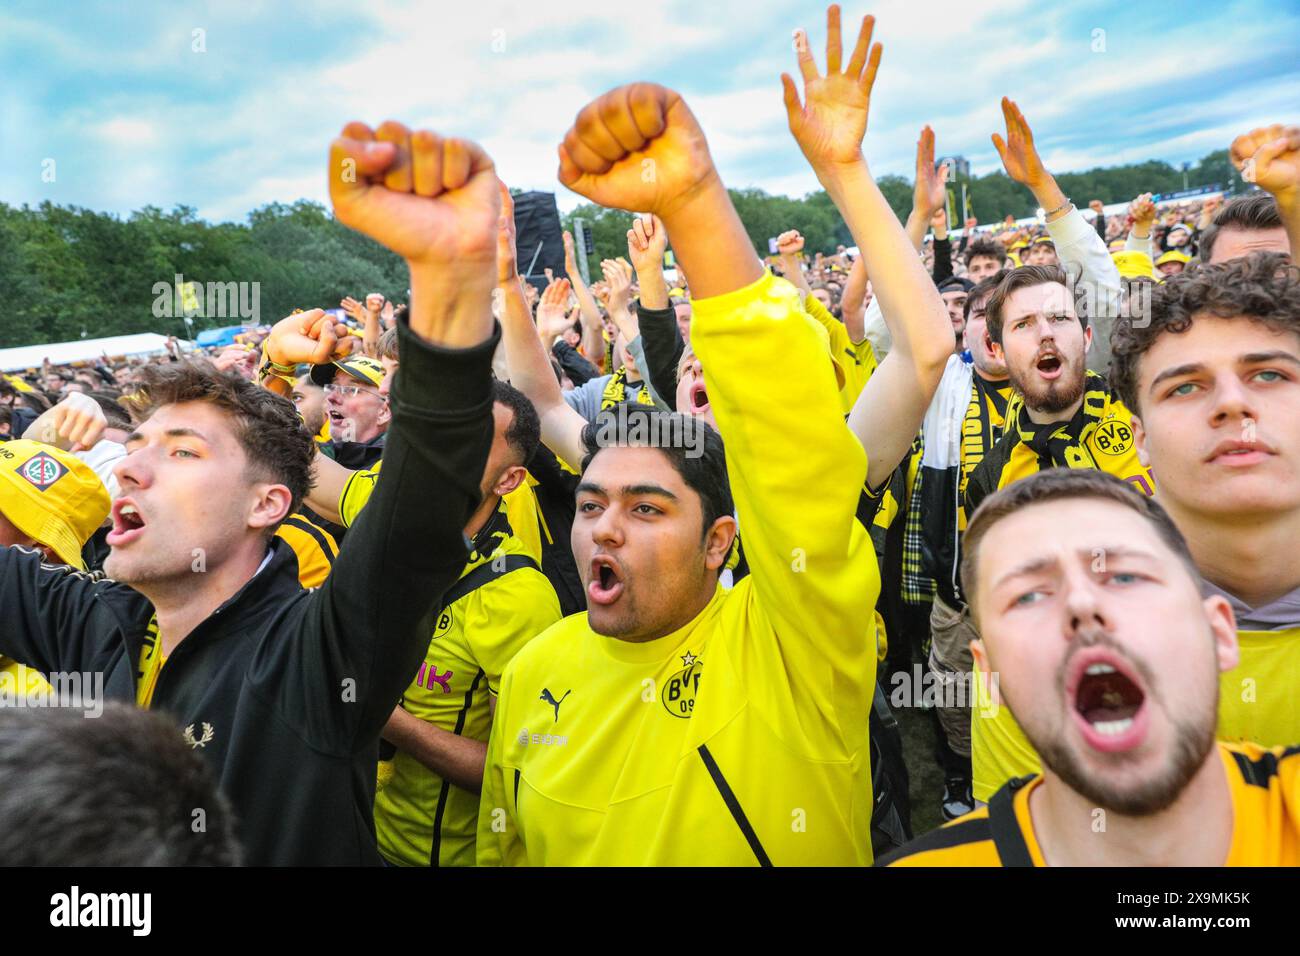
column 456, row 759
column 1288, row 207
column 531, row 373
column 370, row 334
column 452, row 311
column 794, row 273
column 942, row 258
column 710, row 241
column 654, row 290
column 917, row 320
column 526, row 356
column 329, row 478
column 1050, row 197
column 662, row 342
column 368, row 622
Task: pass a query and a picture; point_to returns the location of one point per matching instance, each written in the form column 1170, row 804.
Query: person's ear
column 271, row 505
column 509, row 480
column 385, row 414
column 1223, row 628
column 1087, row 339
column 995, row 349
column 718, row 541
column 1140, row 442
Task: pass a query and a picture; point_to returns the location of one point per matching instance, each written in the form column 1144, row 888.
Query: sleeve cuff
column 438, row 379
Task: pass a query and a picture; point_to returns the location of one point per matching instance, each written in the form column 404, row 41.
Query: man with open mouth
column 1063, row 416
column 678, row 722
column 1109, row 656
column 285, row 691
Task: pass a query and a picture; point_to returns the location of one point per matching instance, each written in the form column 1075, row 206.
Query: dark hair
column 1062, row 484
column 985, row 246
column 1262, row 287
column 117, row 415
column 35, row 400
column 387, row 347
column 121, row 789
column 705, row 472
column 981, row 291
column 267, row 425
column 1252, row 213
column 1025, row 277
column 525, row 431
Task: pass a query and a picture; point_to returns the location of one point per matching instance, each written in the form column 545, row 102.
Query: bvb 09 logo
column 1114, row 438
column 679, row 692
column 443, row 624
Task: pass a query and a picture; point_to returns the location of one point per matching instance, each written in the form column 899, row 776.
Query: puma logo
column 550, row 699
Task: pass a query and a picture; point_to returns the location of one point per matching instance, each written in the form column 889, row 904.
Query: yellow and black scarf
column 1064, row 444
column 982, row 427
column 151, row 663
column 616, row 391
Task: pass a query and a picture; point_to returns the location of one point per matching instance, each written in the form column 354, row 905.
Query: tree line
column 69, row 272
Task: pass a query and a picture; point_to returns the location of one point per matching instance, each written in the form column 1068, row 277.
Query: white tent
column 81, row 350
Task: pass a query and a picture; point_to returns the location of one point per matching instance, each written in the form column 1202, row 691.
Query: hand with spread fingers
column 553, row 311
column 507, row 254
column 1023, row 164
column 830, row 123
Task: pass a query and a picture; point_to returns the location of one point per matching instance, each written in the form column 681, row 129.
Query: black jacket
column 663, row 345
column 285, row 691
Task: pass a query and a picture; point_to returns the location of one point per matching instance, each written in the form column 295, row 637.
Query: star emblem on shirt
column 688, row 659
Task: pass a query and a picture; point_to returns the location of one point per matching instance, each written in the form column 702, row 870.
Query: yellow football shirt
column 858, row 361
column 526, row 521
column 1259, row 703
column 740, row 739
column 1264, row 785
column 420, row 818
column 314, row 547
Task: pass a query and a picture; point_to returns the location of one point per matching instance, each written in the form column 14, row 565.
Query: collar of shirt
column 1274, row 616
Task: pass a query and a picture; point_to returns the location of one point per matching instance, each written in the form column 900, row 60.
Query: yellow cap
column 1133, row 264
column 1174, row 255
column 51, row 496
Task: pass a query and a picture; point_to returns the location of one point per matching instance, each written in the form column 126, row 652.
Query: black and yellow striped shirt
column 1264, row 785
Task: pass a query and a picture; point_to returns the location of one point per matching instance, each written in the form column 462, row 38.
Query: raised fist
column 433, row 201
column 1269, row 157
column 311, row 337
column 1143, row 210
column 646, row 242
column 789, row 243
column 637, row 147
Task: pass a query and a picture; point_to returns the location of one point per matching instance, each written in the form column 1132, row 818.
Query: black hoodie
column 285, row 691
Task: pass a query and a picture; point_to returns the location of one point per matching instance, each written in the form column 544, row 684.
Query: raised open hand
column 1019, row 157
column 552, row 310
column 832, row 120
column 930, row 192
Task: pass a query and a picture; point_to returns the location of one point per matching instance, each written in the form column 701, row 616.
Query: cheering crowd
column 441, row 586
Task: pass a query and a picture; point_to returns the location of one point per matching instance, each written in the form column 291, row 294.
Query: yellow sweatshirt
column 606, row 752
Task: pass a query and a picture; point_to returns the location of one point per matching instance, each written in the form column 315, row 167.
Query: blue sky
column 131, row 114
